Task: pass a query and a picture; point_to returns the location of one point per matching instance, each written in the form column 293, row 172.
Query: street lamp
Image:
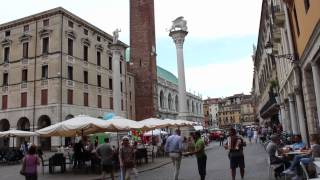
column 269, row 48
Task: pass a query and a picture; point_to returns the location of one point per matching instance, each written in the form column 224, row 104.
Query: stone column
column 287, row 116
column 302, row 120
column 178, row 38
column 117, row 50
column 316, row 83
column 283, row 118
column 293, row 113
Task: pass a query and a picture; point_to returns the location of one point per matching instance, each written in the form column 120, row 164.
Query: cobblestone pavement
column 217, row 168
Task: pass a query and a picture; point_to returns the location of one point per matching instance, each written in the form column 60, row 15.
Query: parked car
column 215, row 134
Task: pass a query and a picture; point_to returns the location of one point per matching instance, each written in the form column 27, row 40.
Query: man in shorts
column 105, row 153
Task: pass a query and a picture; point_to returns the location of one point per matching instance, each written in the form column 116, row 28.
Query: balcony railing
column 5, row 88
column 279, row 17
column 44, row 82
column 24, row 85
column 70, row 83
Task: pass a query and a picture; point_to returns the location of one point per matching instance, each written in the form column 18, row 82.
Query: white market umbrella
column 79, row 125
column 156, row 132
column 180, row 123
column 17, row 133
column 154, row 123
column 118, row 124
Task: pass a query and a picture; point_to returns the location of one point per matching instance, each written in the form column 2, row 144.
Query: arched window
column 188, row 105
column 161, row 99
column 177, row 103
column 192, row 106
column 169, row 102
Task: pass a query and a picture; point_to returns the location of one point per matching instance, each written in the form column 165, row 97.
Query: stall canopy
column 117, row 124
column 17, row 133
column 154, row 123
column 79, row 125
column 198, row 128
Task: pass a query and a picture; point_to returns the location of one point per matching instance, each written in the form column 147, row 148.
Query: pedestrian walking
column 126, row 159
column 105, row 153
column 30, row 163
column 255, row 136
column 201, row 155
column 235, row 146
column 174, row 147
column 221, row 138
column 249, row 134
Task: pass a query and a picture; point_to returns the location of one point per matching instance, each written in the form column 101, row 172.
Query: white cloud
column 224, row 79
column 206, row 18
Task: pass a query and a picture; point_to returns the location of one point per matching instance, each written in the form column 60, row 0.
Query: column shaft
column 302, row 120
column 293, row 116
column 316, row 83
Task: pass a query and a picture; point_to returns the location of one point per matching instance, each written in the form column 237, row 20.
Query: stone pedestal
column 117, row 50
column 178, row 37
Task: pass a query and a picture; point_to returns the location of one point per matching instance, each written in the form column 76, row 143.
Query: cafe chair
column 272, row 167
column 305, row 172
column 43, row 163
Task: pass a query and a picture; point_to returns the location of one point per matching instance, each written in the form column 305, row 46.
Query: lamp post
column 298, row 91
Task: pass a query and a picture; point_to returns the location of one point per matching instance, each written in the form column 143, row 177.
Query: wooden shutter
column 24, row 99
column 111, row 102
column 70, row 96
column 99, row 101
column 85, row 99
column 44, row 96
column 4, row 101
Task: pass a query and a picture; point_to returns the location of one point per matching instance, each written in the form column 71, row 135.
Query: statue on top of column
column 179, row 23
column 116, row 35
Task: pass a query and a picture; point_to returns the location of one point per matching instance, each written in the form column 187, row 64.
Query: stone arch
column 24, row 125
column 161, row 96
column 177, row 103
column 192, row 107
column 169, row 101
column 188, row 105
column 4, row 126
column 44, row 142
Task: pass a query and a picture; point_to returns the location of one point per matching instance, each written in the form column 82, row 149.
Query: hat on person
column 125, row 138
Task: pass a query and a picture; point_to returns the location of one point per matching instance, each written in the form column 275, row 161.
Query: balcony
column 24, row 61
column 24, row 85
column 6, row 64
column 70, row 83
column 85, row 63
column 44, row 82
column 5, row 88
column 99, row 90
column 85, row 86
column 279, row 17
column 70, row 59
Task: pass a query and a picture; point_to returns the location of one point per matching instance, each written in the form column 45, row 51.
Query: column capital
column 178, row 37
column 117, row 48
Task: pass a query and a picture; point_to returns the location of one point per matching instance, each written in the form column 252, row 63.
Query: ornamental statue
column 179, row 24
column 116, row 35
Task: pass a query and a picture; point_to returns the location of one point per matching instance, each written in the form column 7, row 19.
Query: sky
column 217, row 49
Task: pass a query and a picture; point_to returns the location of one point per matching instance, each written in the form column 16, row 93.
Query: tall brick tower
column 143, row 57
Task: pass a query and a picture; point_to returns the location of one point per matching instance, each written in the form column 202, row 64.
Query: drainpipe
column 61, row 34
column 34, row 81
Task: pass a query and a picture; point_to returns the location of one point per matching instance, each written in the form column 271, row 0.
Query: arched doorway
column 169, row 102
column 4, row 126
column 24, row 125
column 45, row 142
column 161, row 100
column 68, row 140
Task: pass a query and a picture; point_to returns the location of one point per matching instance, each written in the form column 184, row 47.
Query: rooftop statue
column 116, row 35
column 179, row 24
